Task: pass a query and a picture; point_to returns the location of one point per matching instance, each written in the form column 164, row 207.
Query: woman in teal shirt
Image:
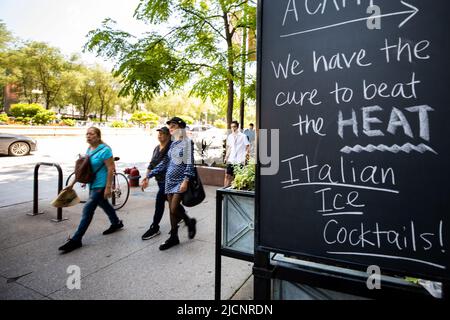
column 102, row 162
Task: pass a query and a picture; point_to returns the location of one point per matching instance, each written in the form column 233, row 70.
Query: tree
column 20, row 71
column 82, row 92
column 106, row 90
column 199, row 46
column 143, row 118
column 51, row 69
column 5, row 36
column 36, row 65
column 60, row 80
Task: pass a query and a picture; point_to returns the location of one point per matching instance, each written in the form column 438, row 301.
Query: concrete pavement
column 118, row 266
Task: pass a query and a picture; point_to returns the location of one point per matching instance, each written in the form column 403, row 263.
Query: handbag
column 83, row 168
column 195, row 193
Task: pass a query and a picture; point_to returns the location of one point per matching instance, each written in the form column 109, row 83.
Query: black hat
column 178, row 121
column 164, row 130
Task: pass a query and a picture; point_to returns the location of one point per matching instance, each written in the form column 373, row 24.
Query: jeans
column 160, row 204
column 96, row 198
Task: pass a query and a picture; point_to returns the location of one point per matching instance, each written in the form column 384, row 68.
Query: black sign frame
column 261, row 250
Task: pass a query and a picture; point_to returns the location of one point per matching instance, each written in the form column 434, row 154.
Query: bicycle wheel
column 120, row 191
column 82, row 190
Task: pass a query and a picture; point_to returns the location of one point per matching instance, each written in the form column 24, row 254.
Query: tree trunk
column 230, row 103
column 47, row 100
column 84, row 112
column 102, row 98
column 230, row 75
column 243, row 69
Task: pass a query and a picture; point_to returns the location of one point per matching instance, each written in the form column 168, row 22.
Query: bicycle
column 120, row 189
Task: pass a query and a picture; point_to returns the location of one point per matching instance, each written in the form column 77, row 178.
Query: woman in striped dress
column 179, row 167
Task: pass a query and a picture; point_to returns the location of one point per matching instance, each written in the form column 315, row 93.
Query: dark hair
column 252, row 125
column 236, row 123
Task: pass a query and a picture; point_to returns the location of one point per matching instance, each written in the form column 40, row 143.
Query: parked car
column 194, row 130
column 16, row 145
column 209, row 143
column 205, row 132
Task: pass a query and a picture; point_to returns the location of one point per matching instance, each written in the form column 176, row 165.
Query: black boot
column 113, row 228
column 171, row 242
column 70, row 246
column 192, row 228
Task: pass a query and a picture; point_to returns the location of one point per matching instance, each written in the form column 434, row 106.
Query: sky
column 65, row 23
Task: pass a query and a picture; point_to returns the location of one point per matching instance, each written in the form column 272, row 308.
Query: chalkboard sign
column 360, row 93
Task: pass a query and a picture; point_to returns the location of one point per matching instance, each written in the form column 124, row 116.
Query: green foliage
column 188, row 119
column 105, row 92
column 119, row 124
column 4, row 118
column 412, row 280
column 31, row 113
column 244, row 178
column 5, row 35
column 143, row 118
column 62, row 80
column 220, row 124
column 182, row 104
column 28, row 120
column 146, row 67
column 48, row 69
column 36, row 65
column 44, row 117
column 23, row 120
column 68, row 122
column 25, row 110
column 155, row 11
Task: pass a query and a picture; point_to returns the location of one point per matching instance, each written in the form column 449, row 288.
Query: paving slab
column 10, row 290
column 246, row 291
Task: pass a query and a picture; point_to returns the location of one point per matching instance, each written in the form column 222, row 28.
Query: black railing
column 36, row 212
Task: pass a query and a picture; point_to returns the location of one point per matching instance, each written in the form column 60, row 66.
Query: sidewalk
column 119, row 266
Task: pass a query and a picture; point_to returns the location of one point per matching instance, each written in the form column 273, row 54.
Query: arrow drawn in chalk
column 411, row 13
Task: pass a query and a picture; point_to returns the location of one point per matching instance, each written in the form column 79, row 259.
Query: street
column 16, row 174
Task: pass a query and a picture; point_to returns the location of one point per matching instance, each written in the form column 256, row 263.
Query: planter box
column 238, row 220
column 235, row 231
column 211, row 176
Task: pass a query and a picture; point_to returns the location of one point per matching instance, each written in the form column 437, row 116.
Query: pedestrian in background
column 102, row 163
column 250, row 132
column 237, row 152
